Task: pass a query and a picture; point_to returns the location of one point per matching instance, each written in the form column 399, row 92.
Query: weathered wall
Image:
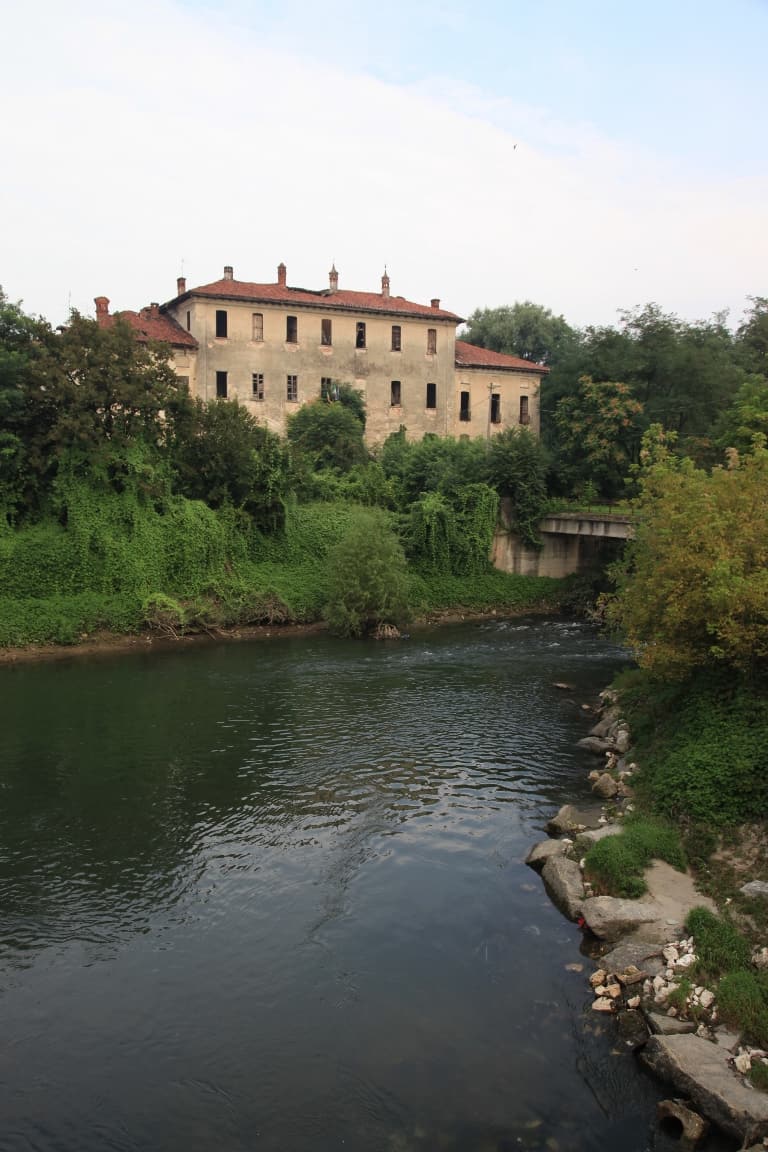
column 509, row 386
column 572, row 543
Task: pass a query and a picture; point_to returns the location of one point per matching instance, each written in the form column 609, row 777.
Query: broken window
column 360, row 335
column 495, row 408
column 464, row 413
column 525, row 417
column 257, row 332
column 431, row 395
column 291, row 330
column 396, row 338
column 325, row 333
column 221, row 324
column 221, row 385
column 431, row 341
column 257, row 385
column 292, row 391
column 395, row 394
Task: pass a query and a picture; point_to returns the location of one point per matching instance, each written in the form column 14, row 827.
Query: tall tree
column 599, row 433
column 522, row 329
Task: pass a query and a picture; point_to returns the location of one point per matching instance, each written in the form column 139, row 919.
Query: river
column 271, row 896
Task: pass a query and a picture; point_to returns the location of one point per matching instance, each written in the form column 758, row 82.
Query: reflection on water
column 272, row 896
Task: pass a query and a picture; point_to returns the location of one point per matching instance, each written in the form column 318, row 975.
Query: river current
column 271, row 896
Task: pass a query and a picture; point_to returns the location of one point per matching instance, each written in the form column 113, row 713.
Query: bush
column 368, row 579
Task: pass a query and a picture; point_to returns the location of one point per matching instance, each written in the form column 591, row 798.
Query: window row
column 326, row 331
column 329, row 389
column 494, row 412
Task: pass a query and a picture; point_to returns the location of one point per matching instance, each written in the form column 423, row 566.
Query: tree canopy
column 522, row 329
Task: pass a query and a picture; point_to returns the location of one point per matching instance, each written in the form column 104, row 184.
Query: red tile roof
column 472, row 356
column 346, row 301
column 149, row 325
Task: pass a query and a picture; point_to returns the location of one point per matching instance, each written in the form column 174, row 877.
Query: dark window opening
column 525, row 417
column 431, row 395
column 258, row 326
column 292, row 391
column 221, row 385
column 360, row 335
column 325, row 333
column 395, row 394
column 495, row 408
column 464, row 412
column 189, row 321
column 431, row 341
column 291, row 330
column 397, row 338
column 221, row 324
column 257, row 385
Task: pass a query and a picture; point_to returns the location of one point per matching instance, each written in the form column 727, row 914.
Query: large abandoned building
column 274, row 347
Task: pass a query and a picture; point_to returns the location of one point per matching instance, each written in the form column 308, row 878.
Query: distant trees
column 522, row 329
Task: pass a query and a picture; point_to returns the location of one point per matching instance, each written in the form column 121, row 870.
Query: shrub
column 368, row 580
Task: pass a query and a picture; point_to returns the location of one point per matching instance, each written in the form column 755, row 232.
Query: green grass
column 742, row 1002
column 616, row 864
column 719, row 946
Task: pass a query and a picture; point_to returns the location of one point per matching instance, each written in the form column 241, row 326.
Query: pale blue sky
column 591, row 156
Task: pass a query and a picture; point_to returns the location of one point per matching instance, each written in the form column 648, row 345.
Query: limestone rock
column 755, row 888
column 598, row 978
column 623, row 741
column 669, row 1025
column 609, row 917
column 604, row 725
column 586, row 839
column 570, row 819
column 642, row 955
column 605, row 787
column 541, row 852
column 726, row 1039
column 595, row 744
column 564, row 884
column 602, row 1004
column 699, row 1070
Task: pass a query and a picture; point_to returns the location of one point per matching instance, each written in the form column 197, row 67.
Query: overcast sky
column 590, row 156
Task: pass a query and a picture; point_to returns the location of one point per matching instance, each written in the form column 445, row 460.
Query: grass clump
column 616, row 864
column 742, row 1000
column 759, row 1076
column 719, row 947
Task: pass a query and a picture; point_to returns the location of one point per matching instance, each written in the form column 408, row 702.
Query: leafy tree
column 692, row 588
column 222, row 455
column 598, row 433
column 752, row 337
column 328, row 434
column 522, row 329
column 368, row 578
column 518, row 469
column 433, row 464
column 747, row 416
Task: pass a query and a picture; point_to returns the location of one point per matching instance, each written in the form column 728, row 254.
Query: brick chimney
column 282, row 272
column 228, row 272
column 435, row 302
column 385, row 284
column 333, row 279
column 102, row 311
column 181, row 286
column 154, row 310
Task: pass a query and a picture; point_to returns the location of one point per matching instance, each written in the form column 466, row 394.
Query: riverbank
column 657, row 966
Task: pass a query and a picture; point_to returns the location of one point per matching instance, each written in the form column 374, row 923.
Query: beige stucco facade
column 273, row 347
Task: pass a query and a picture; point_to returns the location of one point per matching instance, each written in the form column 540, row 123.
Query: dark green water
column 271, row 896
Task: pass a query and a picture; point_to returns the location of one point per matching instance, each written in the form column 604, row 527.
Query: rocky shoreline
column 644, row 957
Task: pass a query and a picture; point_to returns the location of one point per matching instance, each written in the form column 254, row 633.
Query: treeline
column 608, row 385
column 124, row 501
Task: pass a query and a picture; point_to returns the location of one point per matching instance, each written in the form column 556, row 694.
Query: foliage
column 453, row 535
column 693, row 584
column 752, row 336
column 517, row 466
column 616, row 864
column 222, row 455
column 523, row 329
column 328, row 434
column 368, row 582
column 433, row 464
column 746, row 418
column 598, row 428
column 496, row 591
column 719, row 947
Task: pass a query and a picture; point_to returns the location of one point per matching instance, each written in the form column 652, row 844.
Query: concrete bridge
column 572, row 542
